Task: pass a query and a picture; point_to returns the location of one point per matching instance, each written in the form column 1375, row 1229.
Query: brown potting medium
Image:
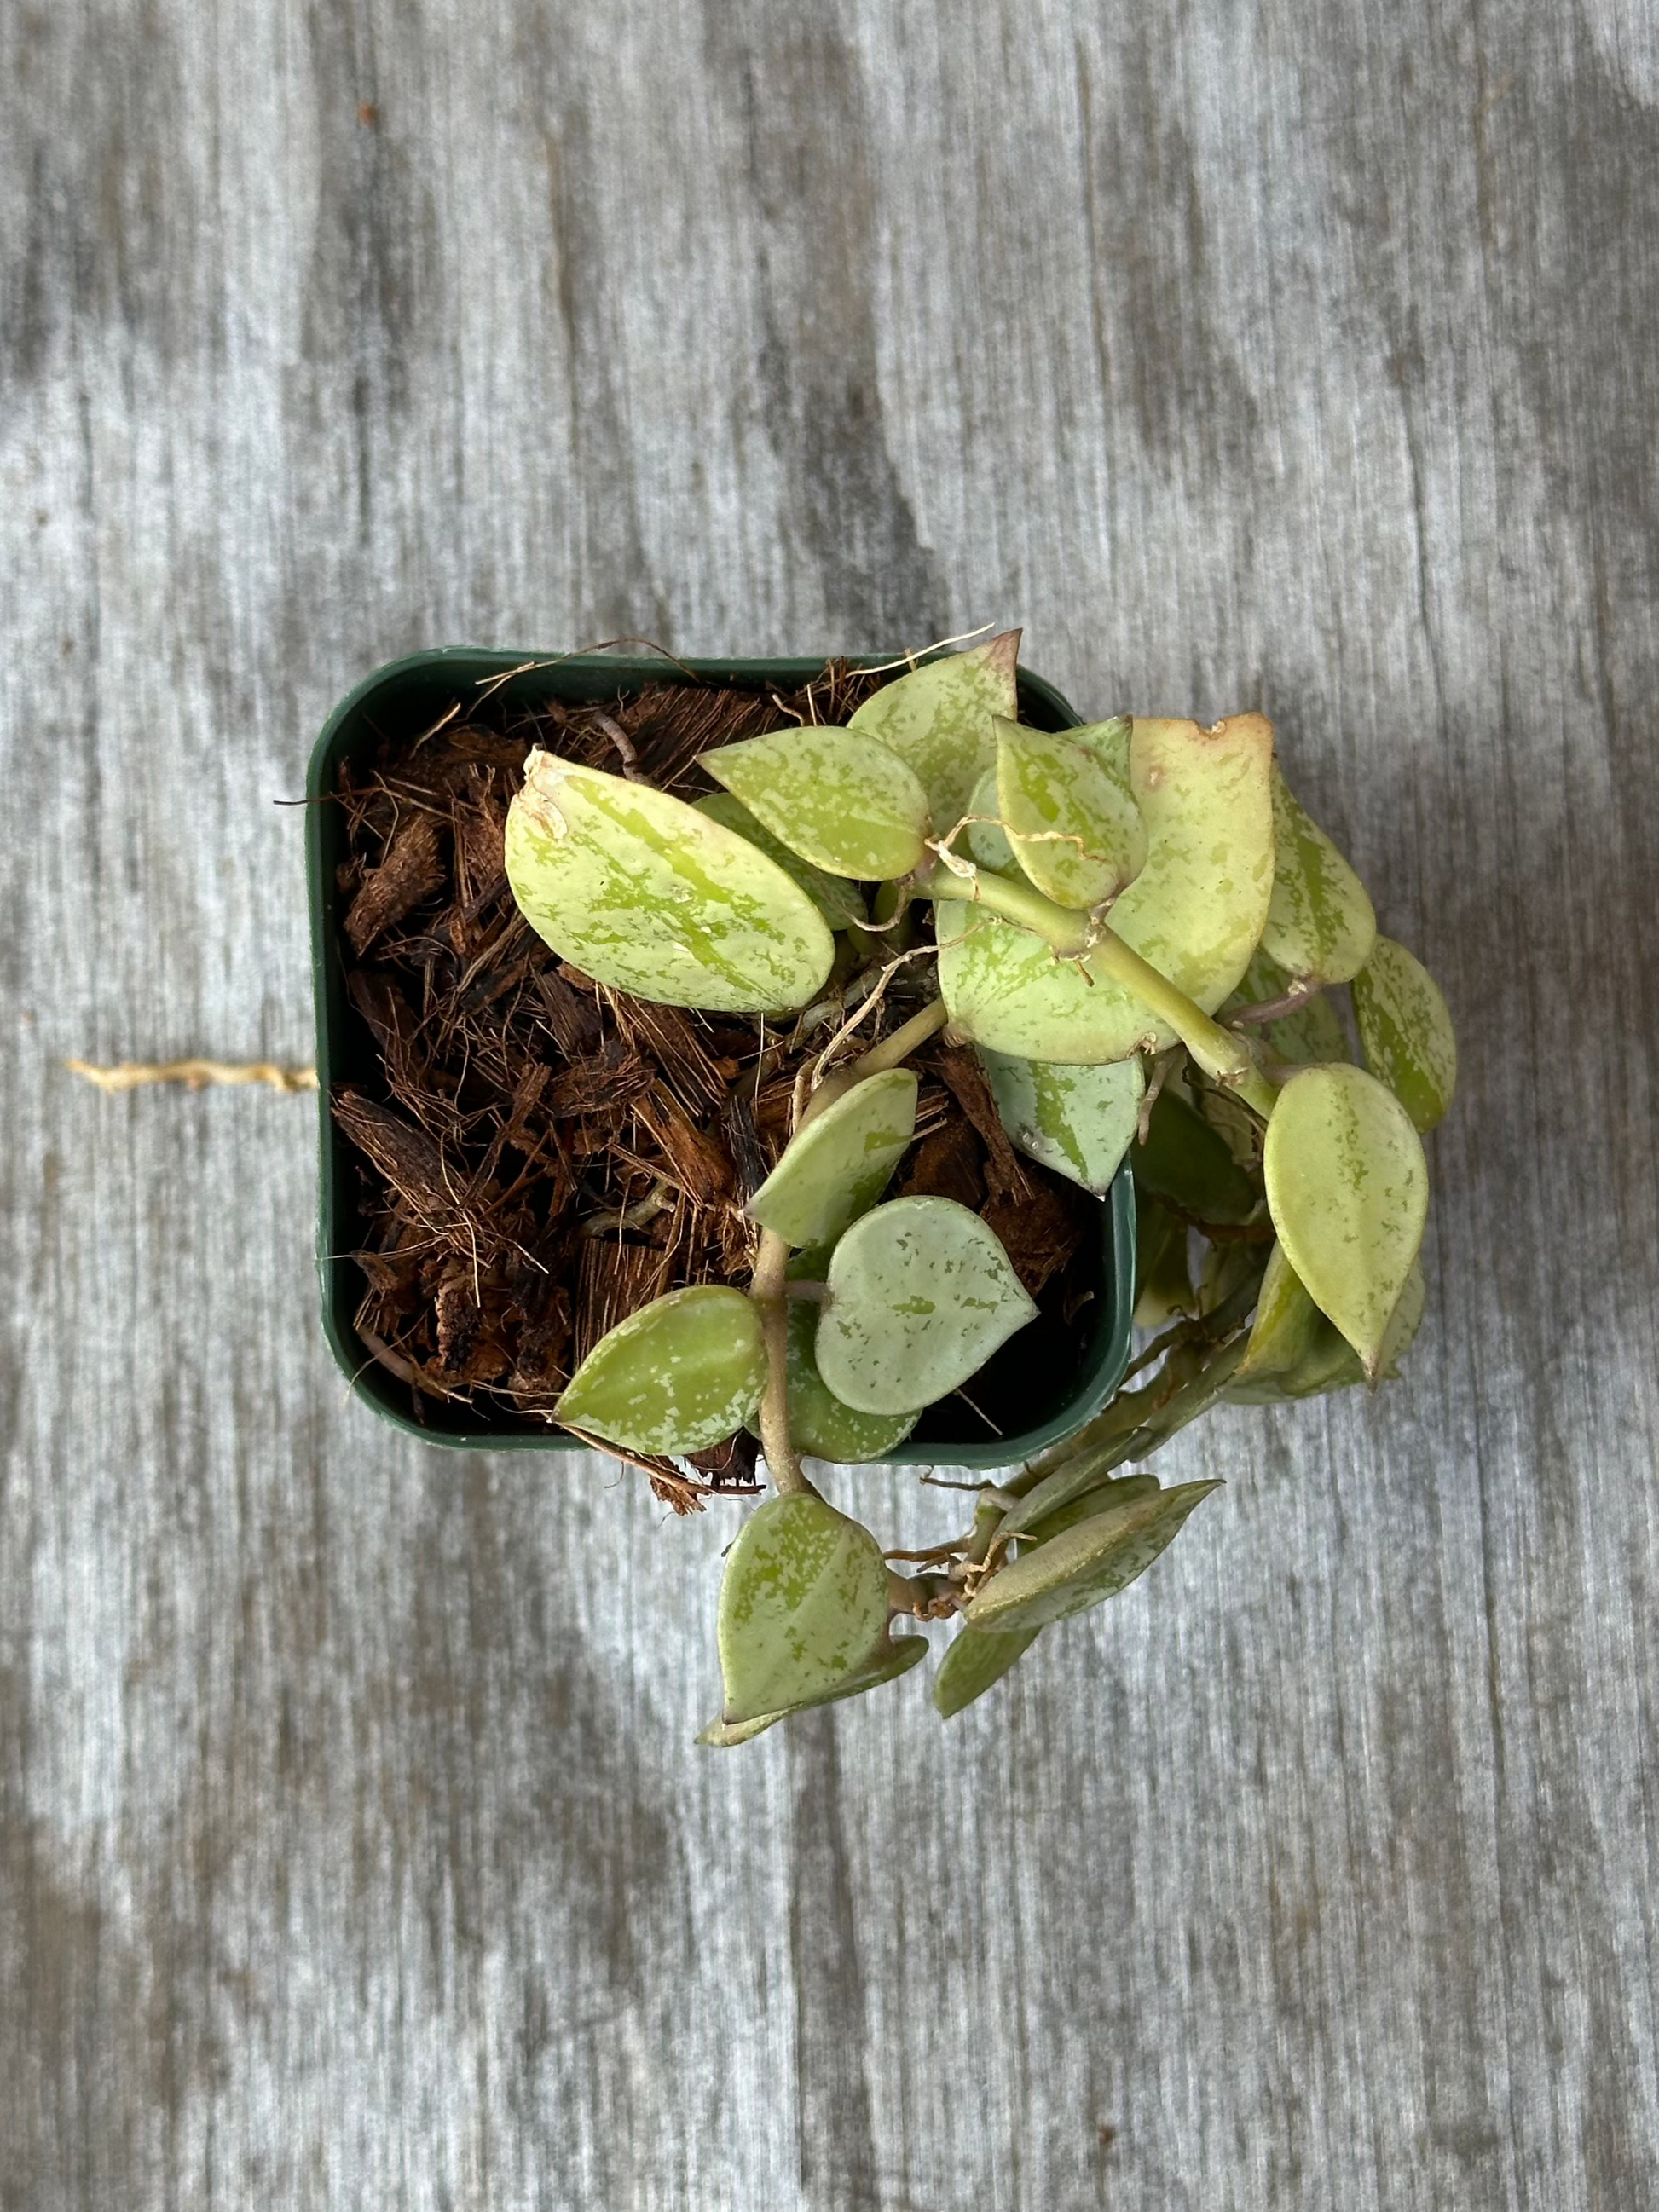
column 540, row 1155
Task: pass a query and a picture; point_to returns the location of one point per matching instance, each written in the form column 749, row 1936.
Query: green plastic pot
column 1057, row 1383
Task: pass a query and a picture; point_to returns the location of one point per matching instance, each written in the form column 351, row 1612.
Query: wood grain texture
column 353, row 1847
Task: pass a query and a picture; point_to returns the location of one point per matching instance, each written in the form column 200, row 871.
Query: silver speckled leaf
column 819, row 1422
column 803, row 1607
column 838, row 1165
column 647, row 895
column 1405, row 1030
column 921, row 1293
column 1320, row 925
column 939, row 718
column 839, row 798
column 841, row 903
column 1078, row 837
column 900, row 1655
column 1348, row 1190
column 1078, row 1121
column 685, row 1372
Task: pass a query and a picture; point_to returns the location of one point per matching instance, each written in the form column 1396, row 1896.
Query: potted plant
column 853, row 894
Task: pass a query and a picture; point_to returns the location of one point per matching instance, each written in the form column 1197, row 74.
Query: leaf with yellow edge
column 1405, row 1030
column 939, row 718
column 1348, row 1190
column 838, row 1165
column 683, row 1372
column 645, row 894
column 839, row 798
column 1320, row 924
column 1195, row 911
column 803, row 1607
column 1077, row 836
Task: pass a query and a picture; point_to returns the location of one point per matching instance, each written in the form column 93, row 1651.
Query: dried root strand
column 194, row 1074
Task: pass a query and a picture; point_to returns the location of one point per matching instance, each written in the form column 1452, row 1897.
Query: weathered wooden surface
column 354, row 1851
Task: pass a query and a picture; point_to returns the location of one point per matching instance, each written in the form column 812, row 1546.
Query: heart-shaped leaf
column 839, row 798
column 683, row 1372
column 840, row 902
column 1348, row 1190
column 921, row 1293
column 1078, row 1121
column 1109, row 743
column 803, row 1607
column 1077, row 836
column 897, row 1657
column 1406, row 1030
column 819, row 1422
column 1195, row 911
column 1185, row 1162
column 646, row 895
column 974, row 1660
column 1320, row 924
column 939, row 718
column 1085, row 1565
column 1311, row 1035
column 1287, row 1325
column 838, row 1165
column 1329, row 1362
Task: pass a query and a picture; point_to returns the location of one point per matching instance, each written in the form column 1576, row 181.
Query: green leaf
column 1307, row 1038
column 899, row 1655
column 1348, row 1190
column 1077, row 836
column 1078, row 1121
column 1329, row 1362
column 841, row 903
column 685, row 1372
column 1194, row 911
column 1406, row 1032
column 1320, row 923
column 1085, row 1565
column 939, row 718
column 1106, row 1496
column 647, row 895
column 803, row 1607
column 1287, row 1325
column 839, row 798
column 1109, row 743
column 921, row 1293
column 1185, row 1161
column 838, row 1165
column 974, row 1659
column 819, row 1422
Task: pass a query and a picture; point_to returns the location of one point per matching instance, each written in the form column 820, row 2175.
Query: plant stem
column 768, row 1290
column 1219, row 1052
column 891, row 1052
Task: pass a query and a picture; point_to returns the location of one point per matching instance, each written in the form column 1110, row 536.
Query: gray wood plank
column 353, row 1847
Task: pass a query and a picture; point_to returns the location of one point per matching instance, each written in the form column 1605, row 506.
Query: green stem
column 1219, row 1052
column 891, row 1052
column 768, row 1288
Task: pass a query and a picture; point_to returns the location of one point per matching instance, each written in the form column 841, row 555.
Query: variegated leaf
column 803, row 1607
column 1348, row 1190
column 1078, row 1121
column 837, row 1166
column 1320, row 925
column 1405, row 1030
column 839, row 901
column 896, row 1657
column 647, row 895
column 839, row 798
column 1079, row 837
column 683, row 1372
column 1085, row 1565
column 938, row 717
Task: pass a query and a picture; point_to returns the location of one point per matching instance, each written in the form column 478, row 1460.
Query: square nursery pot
column 1057, row 1382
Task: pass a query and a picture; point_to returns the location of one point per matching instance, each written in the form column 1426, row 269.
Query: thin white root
column 194, row 1074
